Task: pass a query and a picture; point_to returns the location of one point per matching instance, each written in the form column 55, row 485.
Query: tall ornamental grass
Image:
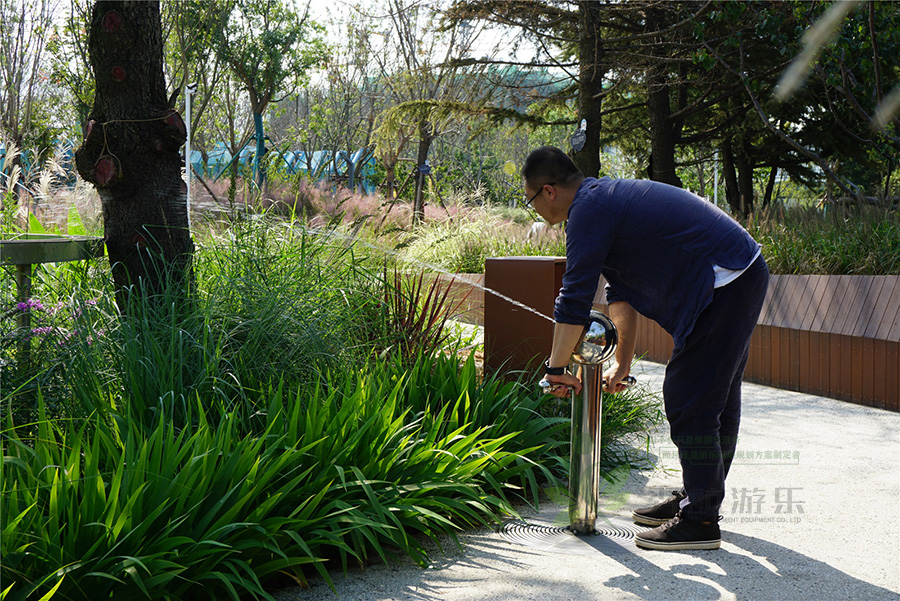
column 836, row 241
column 273, row 303
column 461, row 246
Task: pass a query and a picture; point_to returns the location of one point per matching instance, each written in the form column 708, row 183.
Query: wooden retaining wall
column 833, row 336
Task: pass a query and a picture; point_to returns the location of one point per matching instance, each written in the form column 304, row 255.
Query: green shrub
column 461, row 246
column 839, row 241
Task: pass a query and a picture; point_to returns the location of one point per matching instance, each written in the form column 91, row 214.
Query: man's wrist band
column 553, row 371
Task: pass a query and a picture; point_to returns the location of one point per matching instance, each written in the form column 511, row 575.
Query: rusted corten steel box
column 515, row 338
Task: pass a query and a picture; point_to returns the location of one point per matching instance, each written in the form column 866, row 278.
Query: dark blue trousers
column 702, row 389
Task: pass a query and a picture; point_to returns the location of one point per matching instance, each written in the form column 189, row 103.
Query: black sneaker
column 661, row 513
column 681, row 534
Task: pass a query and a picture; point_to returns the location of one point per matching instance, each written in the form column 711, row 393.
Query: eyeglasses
column 538, row 193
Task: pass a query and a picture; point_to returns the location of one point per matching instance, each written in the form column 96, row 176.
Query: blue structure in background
column 27, row 159
column 356, row 169
column 30, row 163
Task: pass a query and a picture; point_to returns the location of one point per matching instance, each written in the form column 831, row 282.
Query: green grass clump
column 455, row 246
column 839, row 241
column 461, row 246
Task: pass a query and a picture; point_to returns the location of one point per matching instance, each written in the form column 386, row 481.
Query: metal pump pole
column 584, row 470
column 597, row 344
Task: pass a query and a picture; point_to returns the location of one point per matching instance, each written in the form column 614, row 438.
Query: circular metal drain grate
column 613, row 535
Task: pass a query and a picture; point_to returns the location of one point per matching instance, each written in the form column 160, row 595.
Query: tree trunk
column 389, row 180
column 590, row 85
column 887, row 181
column 662, row 136
column 130, row 151
column 770, row 186
column 745, row 181
column 662, row 129
column 259, row 174
column 732, row 192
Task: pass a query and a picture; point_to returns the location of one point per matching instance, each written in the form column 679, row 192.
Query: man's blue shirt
column 655, row 244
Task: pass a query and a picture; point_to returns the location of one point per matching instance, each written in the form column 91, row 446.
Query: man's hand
column 563, row 384
column 614, row 378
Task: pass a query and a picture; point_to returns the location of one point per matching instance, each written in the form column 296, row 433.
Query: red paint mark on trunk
column 118, row 73
column 104, row 170
column 112, row 21
column 173, row 119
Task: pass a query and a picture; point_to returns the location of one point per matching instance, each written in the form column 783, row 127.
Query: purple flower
column 30, row 304
column 42, row 330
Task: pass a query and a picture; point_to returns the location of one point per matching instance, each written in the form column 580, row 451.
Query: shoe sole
column 648, row 521
column 696, row 545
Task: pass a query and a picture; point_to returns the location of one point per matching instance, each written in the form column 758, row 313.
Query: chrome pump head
column 598, row 343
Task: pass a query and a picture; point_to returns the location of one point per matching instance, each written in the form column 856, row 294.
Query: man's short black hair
column 549, row 164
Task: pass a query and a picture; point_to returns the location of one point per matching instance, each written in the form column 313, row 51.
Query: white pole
column 716, row 179
column 188, row 92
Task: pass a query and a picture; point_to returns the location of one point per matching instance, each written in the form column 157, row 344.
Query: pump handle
column 547, row 386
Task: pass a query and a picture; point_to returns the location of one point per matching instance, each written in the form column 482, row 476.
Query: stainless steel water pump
column 596, row 346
